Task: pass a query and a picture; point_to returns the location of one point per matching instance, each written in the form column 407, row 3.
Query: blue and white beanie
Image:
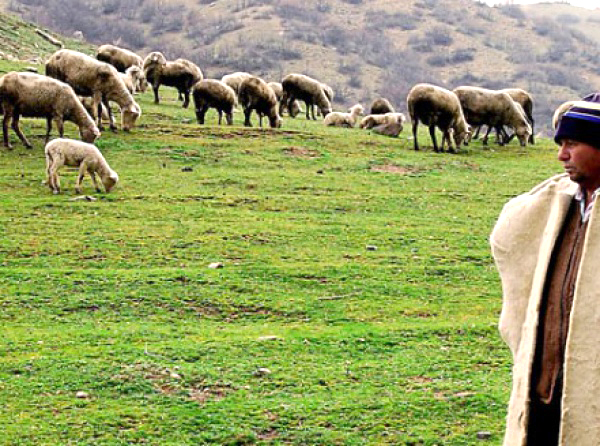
column 580, row 123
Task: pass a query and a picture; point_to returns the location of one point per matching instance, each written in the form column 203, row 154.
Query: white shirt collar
column 586, row 210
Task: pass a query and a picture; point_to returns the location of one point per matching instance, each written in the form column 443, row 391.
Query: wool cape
column 522, row 242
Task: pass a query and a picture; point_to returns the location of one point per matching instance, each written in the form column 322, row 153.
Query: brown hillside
column 362, row 49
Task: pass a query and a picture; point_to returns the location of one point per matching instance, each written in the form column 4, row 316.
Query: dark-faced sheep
column 181, row 74
column 34, row 95
column 437, row 107
column 101, row 81
column 67, row 152
column 339, row 119
column 256, row 95
column 211, row 93
column 307, row 89
column 381, row 106
column 495, row 109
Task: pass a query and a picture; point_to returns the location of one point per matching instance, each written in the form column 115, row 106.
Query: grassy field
column 357, row 303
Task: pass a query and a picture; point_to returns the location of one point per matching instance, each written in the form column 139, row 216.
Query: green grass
column 396, row 345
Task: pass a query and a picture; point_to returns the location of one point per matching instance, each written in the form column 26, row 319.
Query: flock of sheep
column 78, row 87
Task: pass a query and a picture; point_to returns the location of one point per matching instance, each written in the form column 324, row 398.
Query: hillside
column 362, row 49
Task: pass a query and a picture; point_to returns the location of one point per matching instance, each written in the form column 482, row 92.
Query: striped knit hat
column 580, row 123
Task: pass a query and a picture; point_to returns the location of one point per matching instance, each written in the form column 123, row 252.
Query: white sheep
column 69, row 152
column 374, row 120
column 100, row 80
column 438, row 107
column 307, row 89
column 339, row 119
column 34, row 95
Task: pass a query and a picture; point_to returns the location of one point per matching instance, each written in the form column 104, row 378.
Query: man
column 546, row 245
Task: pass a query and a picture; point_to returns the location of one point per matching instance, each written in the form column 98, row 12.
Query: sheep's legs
column 111, row 118
column 5, row 122
column 432, row 134
column 247, row 113
column 415, row 124
column 53, row 180
column 200, row 113
column 15, row 126
column 220, row 116
column 82, row 169
column 155, row 89
column 49, row 128
column 94, row 180
column 229, row 118
column 186, row 98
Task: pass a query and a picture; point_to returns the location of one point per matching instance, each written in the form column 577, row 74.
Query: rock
column 187, row 169
column 31, row 69
column 83, row 198
column 270, row 338
column 484, row 435
column 82, row 395
column 371, row 248
column 216, row 265
column 175, row 375
column 262, row 371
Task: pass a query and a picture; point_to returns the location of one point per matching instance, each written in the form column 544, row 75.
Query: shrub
column 440, row 35
column 512, row 11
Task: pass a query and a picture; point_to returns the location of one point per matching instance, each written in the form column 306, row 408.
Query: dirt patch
column 301, row 152
column 210, row 393
column 398, row 170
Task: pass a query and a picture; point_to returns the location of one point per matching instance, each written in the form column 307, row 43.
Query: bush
column 440, row 35
column 512, row 11
column 382, row 20
column 421, row 44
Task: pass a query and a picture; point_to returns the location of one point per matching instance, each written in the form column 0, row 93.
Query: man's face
column 582, row 162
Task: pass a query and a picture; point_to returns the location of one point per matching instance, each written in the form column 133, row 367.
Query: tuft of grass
column 356, row 271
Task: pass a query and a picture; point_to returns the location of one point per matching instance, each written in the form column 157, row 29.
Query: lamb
column 338, row 119
column 68, row 152
column 371, row 121
column 134, row 79
column 213, row 93
column 181, row 74
column 307, row 89
column 494, row 109
column 255, row 94
column 525, row 99
column 381, row 106
column 101, row 81
column 120, row 58
column 436, row 106
column 234, row 80
column 35, row 95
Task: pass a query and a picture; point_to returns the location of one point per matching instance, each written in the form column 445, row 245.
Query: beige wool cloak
column 522, row 243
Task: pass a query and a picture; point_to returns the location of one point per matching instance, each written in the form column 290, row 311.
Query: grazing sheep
column 68, row 152
column 278, row 90
column 381, row 106
column 307, row 89
column 34, row 95
column 494, row 109
column 255, row 94
column 524, row 99
column 181, row 74
column 371, row 121
column 234, row 80
column 101, row 81
column 329, row 93
column 560, row 111
column 436, row 106
column 339, row 119
column 120, row 58
column 134, row 79
column 213, row 93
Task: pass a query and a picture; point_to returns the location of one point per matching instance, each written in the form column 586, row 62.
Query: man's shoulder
column 553, row 185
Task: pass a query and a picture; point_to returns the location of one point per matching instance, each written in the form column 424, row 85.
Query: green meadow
column 357, row 302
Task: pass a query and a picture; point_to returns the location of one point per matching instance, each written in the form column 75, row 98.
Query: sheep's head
column 129, row 115
column 89, row 134
column 461, row 135
column 523, row 132
column 109, row 181
column 275, row 121
column 357, row 110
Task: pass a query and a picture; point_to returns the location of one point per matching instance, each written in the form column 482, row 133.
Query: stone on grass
column 216, row 265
